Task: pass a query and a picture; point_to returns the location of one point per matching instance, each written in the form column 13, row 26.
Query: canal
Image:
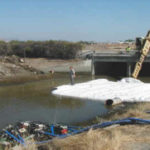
column 34, row 101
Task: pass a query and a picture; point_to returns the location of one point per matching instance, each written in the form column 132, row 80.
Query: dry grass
column 138, row 110
column 118, row 138
column 93, row 140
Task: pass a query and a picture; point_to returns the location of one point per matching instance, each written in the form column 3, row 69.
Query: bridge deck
column 132, row 56
column 105, row 63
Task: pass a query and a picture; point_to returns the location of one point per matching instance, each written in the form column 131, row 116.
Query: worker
column 128, row 49
column 72, row 75
column 52, row 81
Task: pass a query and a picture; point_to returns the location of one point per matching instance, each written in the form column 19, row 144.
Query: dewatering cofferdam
column 125, row 90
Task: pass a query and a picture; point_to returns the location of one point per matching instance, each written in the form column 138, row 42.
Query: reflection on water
column 34, row 101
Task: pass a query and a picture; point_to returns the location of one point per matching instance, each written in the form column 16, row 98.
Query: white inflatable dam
column 127, row 89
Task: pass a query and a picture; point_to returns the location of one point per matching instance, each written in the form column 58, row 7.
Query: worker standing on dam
column 72, row 75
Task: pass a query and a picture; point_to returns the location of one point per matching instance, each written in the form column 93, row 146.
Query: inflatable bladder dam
column 110, row 92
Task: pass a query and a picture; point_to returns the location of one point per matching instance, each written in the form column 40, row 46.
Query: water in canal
column 34, row 101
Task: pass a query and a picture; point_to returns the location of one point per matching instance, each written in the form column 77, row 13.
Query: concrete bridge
column 118, row 63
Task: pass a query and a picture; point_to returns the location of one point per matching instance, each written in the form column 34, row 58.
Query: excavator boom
column 144, row 53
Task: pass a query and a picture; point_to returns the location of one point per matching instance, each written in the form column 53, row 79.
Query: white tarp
column 127, row 89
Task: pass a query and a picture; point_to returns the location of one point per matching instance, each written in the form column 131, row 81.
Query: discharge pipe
column 114, row 101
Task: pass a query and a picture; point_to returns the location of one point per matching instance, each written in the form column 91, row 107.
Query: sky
column 74, row 20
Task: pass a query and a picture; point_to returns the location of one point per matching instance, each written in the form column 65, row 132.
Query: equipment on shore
column 144, row 53
column 23, row 132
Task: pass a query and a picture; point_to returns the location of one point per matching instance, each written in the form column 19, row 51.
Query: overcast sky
column 74, row 20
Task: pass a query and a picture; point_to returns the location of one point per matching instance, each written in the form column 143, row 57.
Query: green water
column 34, row 101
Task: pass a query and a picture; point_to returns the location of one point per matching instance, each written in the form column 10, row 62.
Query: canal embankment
column 15, row 69
column 131, row 137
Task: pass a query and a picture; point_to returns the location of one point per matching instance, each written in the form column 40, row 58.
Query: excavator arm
column 144, row 53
